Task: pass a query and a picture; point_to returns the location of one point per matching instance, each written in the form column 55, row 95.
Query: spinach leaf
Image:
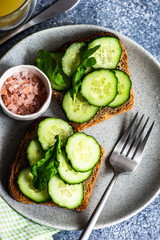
column 47, row 64
column 46, row 167
column 86, row 61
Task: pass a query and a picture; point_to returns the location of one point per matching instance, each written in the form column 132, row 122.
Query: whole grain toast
column 104, row 113
column 22, row 162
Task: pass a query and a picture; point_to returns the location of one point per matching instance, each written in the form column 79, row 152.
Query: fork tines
column 132, row 142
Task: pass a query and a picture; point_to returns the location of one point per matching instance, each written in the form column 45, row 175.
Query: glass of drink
column 15, row 12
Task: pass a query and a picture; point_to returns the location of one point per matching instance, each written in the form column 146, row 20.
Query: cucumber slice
column 58, row 57
column 78, row 110
column 83, row 151
column 49, row 128
column 109, row 53
column 25, row 185
column 71, row 59
column 124, row 87
column 34, row 152
column 100, row 87
column 67, row 173
column 65, row 195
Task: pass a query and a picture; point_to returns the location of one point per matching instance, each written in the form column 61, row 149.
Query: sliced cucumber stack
column 67, row 173
column 93, row 78
column 78, row 110
column 109, row 53
column 83, row 151
column 34, row 152
column 64, row 194
column 70, row 168
column 100, row 87
column 71, row 59
column 25, row 185
column 49, row 128
column 124, row 87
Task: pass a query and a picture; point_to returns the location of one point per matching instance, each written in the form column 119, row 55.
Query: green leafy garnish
column 47, row 64
column 85, row 62
column 46, row 167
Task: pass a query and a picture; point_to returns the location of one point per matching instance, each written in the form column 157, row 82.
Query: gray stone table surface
column 140, row 21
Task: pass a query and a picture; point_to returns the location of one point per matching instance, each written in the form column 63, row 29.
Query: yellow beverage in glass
column 13, row 13
column 9, row 6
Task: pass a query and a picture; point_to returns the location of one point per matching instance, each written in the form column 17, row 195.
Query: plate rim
column 140, row 48
column 92, row 26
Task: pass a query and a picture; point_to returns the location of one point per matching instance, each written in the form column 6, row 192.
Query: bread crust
column 104, row 113
column 22, row 162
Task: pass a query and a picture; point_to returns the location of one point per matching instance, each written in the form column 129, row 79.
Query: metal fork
column 124, row 159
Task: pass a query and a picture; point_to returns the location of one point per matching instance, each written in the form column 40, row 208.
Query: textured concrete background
column 140, row 21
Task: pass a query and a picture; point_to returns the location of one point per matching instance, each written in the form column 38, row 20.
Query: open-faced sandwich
column 90, row 79
column 55, row 166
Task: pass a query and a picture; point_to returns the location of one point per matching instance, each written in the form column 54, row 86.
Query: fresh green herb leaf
column 49, row 66
column 58, row 78
column 76, row 81
column 86, row 61
column 89, row 62
column 87, row 52
column 46, row 167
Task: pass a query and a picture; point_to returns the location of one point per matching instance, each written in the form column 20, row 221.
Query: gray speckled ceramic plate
column 131, row 193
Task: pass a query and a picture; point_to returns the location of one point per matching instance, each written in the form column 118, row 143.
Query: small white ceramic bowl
column 44, row 79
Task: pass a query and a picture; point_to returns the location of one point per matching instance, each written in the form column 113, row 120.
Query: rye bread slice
column 104, row 113
column 22, row 162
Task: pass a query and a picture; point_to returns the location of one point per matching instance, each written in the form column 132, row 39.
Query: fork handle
column 95, row 215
